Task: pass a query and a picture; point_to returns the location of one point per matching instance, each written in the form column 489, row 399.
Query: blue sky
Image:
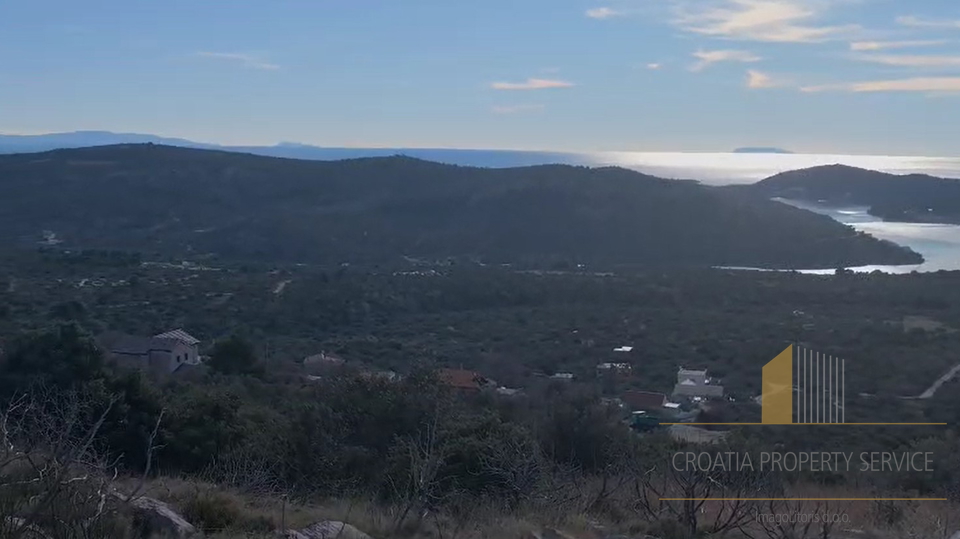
column 827, row 76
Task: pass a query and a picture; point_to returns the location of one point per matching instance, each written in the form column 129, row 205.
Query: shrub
column 212, row 511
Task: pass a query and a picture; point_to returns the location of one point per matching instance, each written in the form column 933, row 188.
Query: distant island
column 761, row 150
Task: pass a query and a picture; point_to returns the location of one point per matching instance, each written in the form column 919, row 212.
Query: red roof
column 461, row 379
column 644, row 400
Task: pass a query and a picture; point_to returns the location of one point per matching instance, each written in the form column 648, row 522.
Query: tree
column 64, row 358
column 234, row 355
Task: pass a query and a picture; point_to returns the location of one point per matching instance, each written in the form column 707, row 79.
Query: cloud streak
column 911, row 60
column 603, row 13
column 757, row 80
column 246, row 60
column 862, row 46
column 783, row 21
column 922, row 22
column 532, row 84
column 918, row 84
column 708, row 58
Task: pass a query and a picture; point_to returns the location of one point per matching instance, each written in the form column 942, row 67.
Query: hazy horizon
column 717, row 168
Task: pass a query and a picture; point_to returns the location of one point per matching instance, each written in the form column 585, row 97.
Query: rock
column 331, row 529
column 956, row 535
column 158, row 518
column 291, row 534
column 548, row 533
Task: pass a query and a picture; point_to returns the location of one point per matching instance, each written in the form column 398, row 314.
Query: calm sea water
column 938, row 243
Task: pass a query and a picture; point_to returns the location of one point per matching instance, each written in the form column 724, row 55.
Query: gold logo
column 803, row 386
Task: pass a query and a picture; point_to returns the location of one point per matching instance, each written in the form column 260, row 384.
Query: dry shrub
column 212, row 511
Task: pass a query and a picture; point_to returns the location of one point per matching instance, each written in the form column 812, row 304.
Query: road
column 932, row 390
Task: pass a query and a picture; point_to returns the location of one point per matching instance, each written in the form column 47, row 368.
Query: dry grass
column 234, row 515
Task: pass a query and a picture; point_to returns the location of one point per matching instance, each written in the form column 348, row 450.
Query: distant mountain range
column 908, row 198
column 176, row 201
column 293, row 150
column 477, row 158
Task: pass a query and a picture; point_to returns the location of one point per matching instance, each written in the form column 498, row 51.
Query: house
column 323, row 359
column 191, row 342
column 623, row 349
column 161, row 356
column 696, row 384
column 643, row 400
column 386, row 376
column 463, row 379
column 614, row 368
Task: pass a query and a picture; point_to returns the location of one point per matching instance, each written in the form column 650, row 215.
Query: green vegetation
column 402, row 266
column 909, row 198
column 188, row 202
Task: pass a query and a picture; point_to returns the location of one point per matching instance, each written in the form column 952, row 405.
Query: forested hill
column 914, row 197
column 178, row 201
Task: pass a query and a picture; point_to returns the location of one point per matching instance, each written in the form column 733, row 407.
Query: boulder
column 157, row 518
column 330, row 529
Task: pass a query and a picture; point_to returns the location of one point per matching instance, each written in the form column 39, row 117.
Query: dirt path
column 280, row 286
column 932, row 390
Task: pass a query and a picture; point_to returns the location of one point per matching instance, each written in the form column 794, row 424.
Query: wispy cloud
column 785, row 21
column 757, row 80
column 919, row 84
column 911, row 60
column 654, row 65
column 532, row 84
column 708, row 58
column 515, row 109
column 923, row 22
column 246, row 60
column 885, row 45
column 603, row 13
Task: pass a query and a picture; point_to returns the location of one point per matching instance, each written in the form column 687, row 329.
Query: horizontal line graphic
column 804, row 499
column 806, row 424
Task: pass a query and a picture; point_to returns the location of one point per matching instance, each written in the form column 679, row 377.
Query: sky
column 821, row 76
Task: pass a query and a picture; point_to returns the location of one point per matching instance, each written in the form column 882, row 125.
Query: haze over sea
column 737, row 168
column 938, row 243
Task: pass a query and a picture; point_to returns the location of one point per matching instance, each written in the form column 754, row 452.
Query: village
column 177, row 352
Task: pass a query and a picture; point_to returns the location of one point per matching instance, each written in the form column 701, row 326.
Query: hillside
column 179, row 201
column 911, row 198
column 10, row 144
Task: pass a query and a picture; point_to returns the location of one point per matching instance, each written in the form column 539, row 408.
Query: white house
column 162, row 354
column 694, row 383
column 191, row 342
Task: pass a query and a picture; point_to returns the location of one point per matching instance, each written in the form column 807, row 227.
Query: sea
column 938, row 243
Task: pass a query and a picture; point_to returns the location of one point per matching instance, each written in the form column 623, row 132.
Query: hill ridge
column 153, row 198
